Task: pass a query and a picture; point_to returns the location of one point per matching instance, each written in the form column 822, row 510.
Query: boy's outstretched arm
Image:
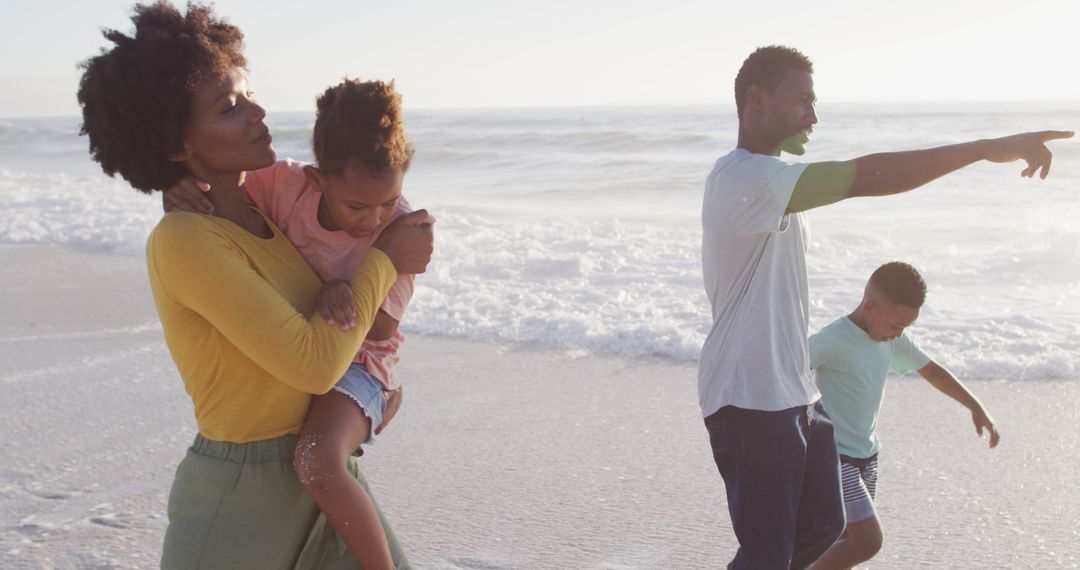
column 945, row 382
column 882, row 174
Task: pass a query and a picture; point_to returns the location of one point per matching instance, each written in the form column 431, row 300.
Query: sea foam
column 579, row 228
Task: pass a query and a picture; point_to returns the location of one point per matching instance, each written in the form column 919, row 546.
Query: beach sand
column 502, row 457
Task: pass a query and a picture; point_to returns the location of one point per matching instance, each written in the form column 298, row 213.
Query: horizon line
column 644, row 104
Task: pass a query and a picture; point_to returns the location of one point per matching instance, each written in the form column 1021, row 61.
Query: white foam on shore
column 579, row 228
column 618, row 286
column 83, row 210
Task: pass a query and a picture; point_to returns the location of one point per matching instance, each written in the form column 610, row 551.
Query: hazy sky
column 480, row 53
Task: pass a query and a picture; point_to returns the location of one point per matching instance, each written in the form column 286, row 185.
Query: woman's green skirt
column 238, row 505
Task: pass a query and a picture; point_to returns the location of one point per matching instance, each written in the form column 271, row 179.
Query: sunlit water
column 579, row 228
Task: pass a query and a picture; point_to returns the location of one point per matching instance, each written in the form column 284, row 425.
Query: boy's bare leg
column 859, row 543
column 335, row 427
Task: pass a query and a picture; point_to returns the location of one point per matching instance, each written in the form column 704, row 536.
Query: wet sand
column 502, row 457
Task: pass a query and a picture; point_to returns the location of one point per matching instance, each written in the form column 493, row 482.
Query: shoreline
column 503, row 456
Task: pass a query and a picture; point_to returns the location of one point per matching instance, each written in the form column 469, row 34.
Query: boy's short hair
column 360, row 123
column 900, row 283
column 136, row 97
column 765, row 68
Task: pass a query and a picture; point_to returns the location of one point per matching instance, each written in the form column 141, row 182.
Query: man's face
column 789, row 113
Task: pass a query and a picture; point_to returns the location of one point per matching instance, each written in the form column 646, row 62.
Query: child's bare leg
column 860, row 542
column 335, row 427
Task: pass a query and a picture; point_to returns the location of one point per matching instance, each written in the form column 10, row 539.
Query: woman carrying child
column 232, row 292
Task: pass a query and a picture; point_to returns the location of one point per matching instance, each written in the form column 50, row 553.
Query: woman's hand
column 187, row 195
column 409, row 242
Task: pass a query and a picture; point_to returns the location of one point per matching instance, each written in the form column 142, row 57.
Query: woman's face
column 226, row 132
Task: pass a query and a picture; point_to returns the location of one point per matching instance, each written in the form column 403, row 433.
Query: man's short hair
column 765, row 68
column 900, row 283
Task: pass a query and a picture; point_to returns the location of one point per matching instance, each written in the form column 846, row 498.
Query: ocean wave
column 559, row 140
column 616, row 286
column 580, row 229
column 626, row 286
column 90, row 212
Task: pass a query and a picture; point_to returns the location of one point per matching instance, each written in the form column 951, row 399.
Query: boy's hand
column 187, row 195
column 335, row 303
column 393, row 403
column 982, row 420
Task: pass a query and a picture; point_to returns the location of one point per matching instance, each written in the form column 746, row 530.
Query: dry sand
column 503, row 456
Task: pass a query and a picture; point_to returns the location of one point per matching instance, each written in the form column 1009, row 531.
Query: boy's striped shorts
column 859, row 478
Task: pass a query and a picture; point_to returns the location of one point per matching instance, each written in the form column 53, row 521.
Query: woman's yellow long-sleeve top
column 235, row 309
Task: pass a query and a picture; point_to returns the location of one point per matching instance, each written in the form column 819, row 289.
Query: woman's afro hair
column 136, row 97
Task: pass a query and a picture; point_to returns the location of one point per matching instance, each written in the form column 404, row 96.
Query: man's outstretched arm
column 882, row 174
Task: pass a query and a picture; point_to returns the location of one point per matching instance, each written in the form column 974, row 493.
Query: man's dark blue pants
column 782, row 474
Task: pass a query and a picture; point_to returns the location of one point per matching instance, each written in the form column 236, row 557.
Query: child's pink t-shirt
column 283, row 193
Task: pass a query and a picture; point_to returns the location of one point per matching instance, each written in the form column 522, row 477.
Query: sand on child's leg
column 335, row 427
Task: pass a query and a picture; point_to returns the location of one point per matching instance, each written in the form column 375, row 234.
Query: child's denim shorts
column 367, row 392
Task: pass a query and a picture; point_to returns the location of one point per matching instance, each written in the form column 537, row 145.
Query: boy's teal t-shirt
column 851, row 369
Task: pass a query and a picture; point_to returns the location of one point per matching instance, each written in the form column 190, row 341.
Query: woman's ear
column 314, row 176
column 181, row 156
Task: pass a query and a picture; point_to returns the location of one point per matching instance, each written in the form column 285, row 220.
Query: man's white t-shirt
column 754, row 260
